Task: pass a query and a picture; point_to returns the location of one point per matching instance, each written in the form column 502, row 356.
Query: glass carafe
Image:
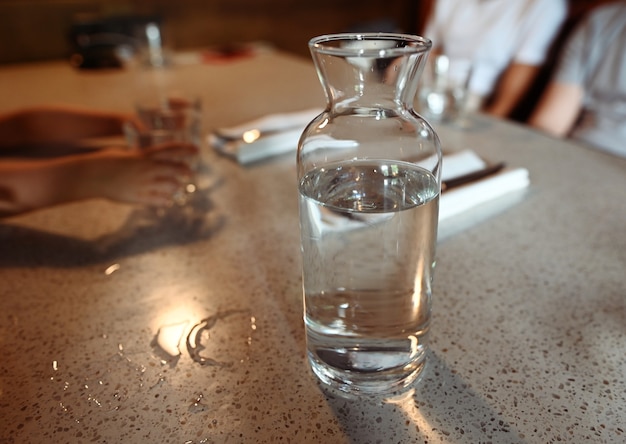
column 369, row 183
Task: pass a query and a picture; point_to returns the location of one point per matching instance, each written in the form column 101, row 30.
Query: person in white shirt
column 505, row 41
column 586, row 98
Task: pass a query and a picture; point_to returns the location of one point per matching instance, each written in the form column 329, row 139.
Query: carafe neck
column 370, row 73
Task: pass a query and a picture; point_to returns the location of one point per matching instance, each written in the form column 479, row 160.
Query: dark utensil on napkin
column 471, row 177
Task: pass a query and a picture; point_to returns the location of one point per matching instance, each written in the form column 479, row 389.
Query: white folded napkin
column 273, row 122
column 283, row 132
column 460, row 163
column 462, row 198
column 265, row 147
column 455, row 200
column 262, row 138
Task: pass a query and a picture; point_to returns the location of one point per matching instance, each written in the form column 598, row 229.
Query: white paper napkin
column 274, row 122
column 463, row 198
column 262, row 138
column 460, row 199
column 265, row 147
column 459, row 163
column 284, row 130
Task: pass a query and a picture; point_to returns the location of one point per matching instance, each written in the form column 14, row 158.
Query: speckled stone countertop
column 529, row 316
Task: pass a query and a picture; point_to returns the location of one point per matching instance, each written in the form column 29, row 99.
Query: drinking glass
column 165, row 120
column 445, row 94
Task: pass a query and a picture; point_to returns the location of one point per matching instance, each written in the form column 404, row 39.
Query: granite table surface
column 121, row 325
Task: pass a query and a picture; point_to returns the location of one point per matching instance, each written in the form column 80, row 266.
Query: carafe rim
column 415, row 44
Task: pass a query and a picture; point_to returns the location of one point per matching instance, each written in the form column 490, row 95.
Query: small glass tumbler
column 444, row 95
column 369, row 184
column 169, row 120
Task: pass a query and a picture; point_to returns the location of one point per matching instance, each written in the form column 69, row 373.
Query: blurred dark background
column 34, row 30
column 39, row 30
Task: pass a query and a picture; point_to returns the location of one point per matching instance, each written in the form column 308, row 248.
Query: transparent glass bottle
column 369, row 183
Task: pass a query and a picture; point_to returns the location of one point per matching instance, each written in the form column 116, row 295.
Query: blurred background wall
column 33, row 30
column 39, row 30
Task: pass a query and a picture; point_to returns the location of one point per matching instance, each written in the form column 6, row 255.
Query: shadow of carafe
column 439, row 407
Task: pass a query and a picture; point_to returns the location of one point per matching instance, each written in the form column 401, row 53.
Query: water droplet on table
column 198, row 337
column 198, row 406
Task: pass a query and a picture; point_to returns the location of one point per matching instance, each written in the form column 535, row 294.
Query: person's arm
column 57, row 124
column 558, row 108
column 149, row 177
column 539, row 25
column 515, row 82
